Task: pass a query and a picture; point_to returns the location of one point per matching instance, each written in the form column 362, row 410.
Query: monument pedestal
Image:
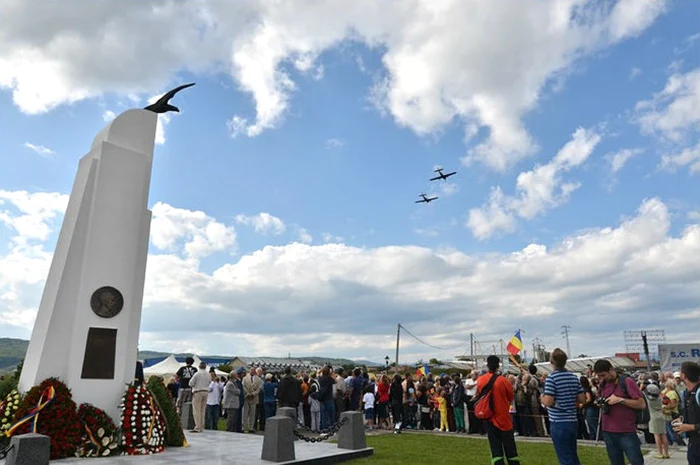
column 29, row 449
column 87, row 327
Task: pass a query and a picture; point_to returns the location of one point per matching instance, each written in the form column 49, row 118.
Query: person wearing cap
column 679, row 384
column 241, row 399
column 657, row 424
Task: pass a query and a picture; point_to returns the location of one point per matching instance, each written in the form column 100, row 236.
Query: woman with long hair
column 590, row 410
column 383, row 387
column 396, row 399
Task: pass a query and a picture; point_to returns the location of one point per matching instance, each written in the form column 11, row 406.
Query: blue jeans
column 564, row 435
column 327, row 413
column 211, row 417
column 673, row 437
column 592, row 422
column 620, row 445
column 693, row 453
column 270, row 409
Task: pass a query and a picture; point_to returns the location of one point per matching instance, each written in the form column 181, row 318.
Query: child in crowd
column 434, row 394
column 368, row 402
column 315, row 406
column 442, row 407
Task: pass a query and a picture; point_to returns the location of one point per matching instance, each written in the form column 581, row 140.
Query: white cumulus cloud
column 334, row 143
column 193, row 233
column 442, row 61
column 304, row 236
column 637, row 270
column 31, row 214
column 673, row 113
column 537, row 190
column 39, row 149
column 263, row 223
column 618, row 159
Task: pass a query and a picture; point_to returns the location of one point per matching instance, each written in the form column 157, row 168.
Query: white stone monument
column 87, row 329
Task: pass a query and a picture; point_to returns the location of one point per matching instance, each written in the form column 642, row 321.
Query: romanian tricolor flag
column 516, row 344
column 422, row 371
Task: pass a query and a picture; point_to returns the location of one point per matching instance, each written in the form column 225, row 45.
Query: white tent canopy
column 170, row 366
column 579, row 365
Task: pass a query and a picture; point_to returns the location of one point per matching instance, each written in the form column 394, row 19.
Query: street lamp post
column 386, row 360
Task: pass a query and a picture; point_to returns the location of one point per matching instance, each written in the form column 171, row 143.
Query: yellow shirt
column 442, row 404
column 672, row 395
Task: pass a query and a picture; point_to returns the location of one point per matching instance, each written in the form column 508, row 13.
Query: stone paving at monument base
column 224, row 448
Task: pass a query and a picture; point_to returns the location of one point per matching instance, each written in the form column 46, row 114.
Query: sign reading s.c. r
column 673, row 355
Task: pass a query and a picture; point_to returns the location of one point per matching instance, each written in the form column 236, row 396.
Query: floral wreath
column 8, row 409
column 143, row 425
column 100, row 436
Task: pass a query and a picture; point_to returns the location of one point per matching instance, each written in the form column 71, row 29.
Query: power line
column 462, row 344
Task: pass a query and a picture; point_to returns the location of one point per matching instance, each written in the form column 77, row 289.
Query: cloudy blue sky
column 283, row 193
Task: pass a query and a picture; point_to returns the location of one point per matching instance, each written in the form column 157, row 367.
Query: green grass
column 439, row 449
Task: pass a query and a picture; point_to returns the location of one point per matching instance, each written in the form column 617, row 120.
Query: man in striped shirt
column 562, row 392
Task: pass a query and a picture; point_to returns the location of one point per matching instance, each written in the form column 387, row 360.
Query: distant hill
column 369, row 363
column 339, row 361
column 13, row 350
column 13, row 347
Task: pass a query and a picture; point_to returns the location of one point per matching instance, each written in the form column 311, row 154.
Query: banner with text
column 673, row 355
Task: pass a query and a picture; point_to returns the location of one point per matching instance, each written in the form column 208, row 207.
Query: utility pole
column 565, row 331
column 398, row 336
column 646, row 349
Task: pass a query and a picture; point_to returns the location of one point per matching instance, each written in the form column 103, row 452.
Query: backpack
column 643, row 416
column 483, row 406
column 314, row 389
column 697, row 397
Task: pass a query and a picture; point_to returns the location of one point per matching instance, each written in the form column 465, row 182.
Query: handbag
column 483, row 407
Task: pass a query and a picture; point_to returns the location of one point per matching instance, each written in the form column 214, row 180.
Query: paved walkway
column 678, row 457
column 222, row 448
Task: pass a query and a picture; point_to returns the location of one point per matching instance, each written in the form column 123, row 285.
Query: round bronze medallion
column 107, row 302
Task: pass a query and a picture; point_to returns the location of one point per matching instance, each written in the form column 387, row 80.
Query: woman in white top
column 469, row 393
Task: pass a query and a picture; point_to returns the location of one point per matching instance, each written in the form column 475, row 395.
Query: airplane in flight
column 426, row 199
column 442, row 175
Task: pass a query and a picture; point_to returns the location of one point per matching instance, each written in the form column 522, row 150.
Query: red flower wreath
column 143, row 425
column 59, row 420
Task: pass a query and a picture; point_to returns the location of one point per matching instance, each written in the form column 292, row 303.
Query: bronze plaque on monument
column 107, row 302
column 100, row 354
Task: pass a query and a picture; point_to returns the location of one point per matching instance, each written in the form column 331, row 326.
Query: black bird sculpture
column 162, row 105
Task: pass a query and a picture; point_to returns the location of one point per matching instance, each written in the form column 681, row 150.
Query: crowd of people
column 600, row 404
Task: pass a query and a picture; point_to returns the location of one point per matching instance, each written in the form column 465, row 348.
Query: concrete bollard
column 29, row 449
column 278, row 443
column 352, row 433
column 288, row 412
